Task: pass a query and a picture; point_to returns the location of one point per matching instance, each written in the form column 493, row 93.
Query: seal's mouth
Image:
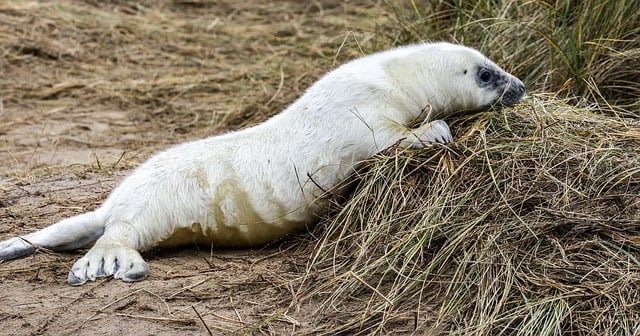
column 513, row 93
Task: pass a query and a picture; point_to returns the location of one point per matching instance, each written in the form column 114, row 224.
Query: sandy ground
column 90, row 89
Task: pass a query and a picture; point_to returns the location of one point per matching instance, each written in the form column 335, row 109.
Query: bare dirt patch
column 89, row 89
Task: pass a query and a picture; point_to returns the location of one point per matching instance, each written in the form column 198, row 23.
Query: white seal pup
column 255, row 185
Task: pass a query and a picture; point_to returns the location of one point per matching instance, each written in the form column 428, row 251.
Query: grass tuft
column 527, row 224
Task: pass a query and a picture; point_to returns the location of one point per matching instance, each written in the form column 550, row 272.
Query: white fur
column 250, row 187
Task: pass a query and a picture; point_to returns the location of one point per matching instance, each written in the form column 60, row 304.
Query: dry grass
column 529, row 224
column 183, row 65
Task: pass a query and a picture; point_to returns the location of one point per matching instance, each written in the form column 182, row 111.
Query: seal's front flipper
column 114, row 254
column 436, row 131
column 106, row 260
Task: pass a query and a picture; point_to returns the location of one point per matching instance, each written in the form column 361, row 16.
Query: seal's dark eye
column 485, row 75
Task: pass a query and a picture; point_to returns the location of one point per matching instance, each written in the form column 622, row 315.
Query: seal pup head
column 508, row 88
column 480, row 82
column 451, row 79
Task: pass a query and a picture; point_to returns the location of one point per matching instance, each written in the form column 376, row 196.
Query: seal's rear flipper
column 15, row 248
column 68, row 234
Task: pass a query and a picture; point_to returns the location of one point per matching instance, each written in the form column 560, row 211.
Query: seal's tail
column 68, row 234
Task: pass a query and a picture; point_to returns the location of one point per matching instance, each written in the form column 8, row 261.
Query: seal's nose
column 517, row 86
column 520, row 88
column 514, row 92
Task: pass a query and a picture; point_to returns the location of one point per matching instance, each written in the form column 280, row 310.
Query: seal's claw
column 75, row 280
column 136, row 272
column 440, row 131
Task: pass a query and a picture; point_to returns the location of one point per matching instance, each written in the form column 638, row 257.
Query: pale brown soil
column 89, row 89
